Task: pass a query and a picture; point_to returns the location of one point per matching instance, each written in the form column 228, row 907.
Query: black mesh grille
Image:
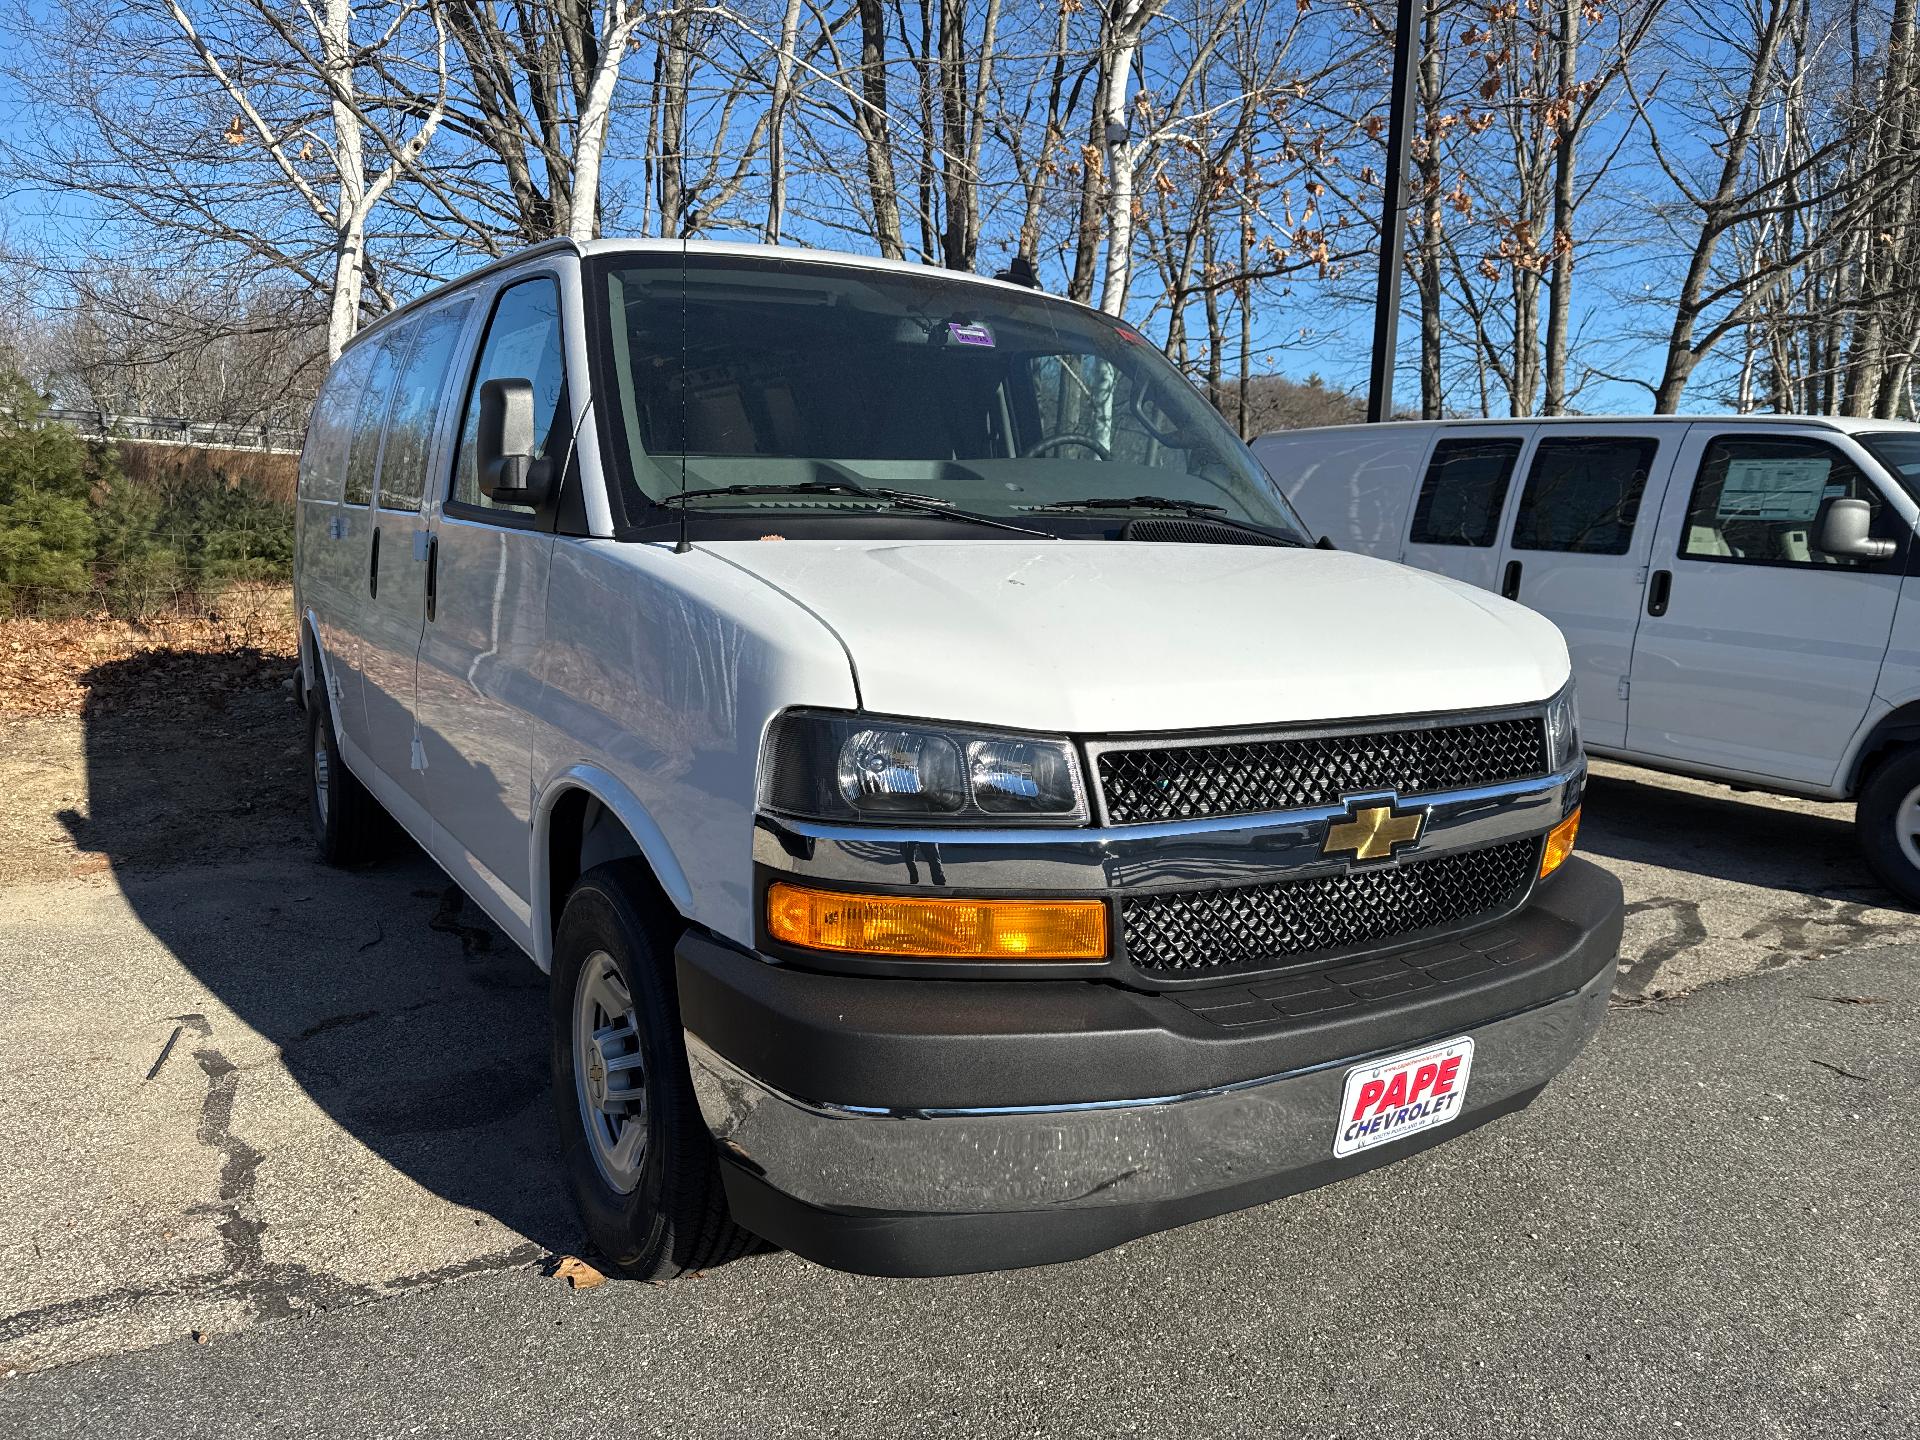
column 1195, row 932
column 1192, row 782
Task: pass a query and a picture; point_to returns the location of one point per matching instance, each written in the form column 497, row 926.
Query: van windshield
column 1899, row 451
column 737, row 372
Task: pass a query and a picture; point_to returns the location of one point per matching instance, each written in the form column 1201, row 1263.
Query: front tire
column 637, row 1154
column 1888, row 821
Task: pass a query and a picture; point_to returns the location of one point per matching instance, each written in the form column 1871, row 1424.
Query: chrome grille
column 1148, row 785
column 1191, row 933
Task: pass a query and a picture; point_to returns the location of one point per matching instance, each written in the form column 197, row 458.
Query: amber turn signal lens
column 937, row 929
column 1559, row 844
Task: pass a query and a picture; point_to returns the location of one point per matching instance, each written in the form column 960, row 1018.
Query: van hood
column 1116, row 636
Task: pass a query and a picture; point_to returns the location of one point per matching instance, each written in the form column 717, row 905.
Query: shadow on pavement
column 396, row 1006
column 1729, row 836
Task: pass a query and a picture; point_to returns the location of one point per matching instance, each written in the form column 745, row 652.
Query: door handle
column 1659, row 591
column 1510, row 582
column 433, row 573
column 373, row 565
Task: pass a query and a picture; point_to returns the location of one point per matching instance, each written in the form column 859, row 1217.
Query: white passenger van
column 1734, row 589
column 966, row 822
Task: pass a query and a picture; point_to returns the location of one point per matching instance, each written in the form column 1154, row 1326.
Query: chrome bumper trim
column 1238, row 850
column 970, row 1161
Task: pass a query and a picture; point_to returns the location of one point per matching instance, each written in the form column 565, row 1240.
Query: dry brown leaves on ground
column 98, row 666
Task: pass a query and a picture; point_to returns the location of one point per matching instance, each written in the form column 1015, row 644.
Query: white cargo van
column 1734, row 588
column 966, row 822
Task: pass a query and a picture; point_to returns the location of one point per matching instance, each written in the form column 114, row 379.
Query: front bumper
column 939, row 1127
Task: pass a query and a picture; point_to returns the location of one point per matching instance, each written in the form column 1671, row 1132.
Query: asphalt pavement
column 1705, row 1229
column 330, row 1210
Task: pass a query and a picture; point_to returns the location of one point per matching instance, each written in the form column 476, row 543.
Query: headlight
column 834, row 766
column 1563, row 729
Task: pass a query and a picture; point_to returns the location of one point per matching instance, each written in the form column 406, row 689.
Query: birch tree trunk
column 617, row 21
column 777, row 121
column 1130, row 19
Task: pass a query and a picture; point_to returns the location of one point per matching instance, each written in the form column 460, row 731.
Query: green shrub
column 77, row 532
column 47, row 474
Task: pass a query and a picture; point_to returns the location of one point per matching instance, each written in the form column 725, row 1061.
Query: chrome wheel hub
column 1906, row 826
column 609, row 1074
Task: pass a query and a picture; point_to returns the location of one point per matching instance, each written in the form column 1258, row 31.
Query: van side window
column 1757, row 500
column 323, row 462
column 363, row 455
column 1583, row 494
column 416, row 403
column 1465, row 486
column 524, row 342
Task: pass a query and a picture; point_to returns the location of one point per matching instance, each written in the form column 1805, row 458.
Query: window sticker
column 1774, row 489
column 970, row 334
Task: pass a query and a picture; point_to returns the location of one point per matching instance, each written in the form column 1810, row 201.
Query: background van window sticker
column 1774, row 489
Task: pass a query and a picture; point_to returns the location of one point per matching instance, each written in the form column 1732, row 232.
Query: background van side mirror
column 1844, row 527
column 503, row 446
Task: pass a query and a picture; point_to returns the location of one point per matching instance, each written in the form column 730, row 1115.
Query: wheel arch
column 1898, row 729
column 314, row 667
column 585, row 818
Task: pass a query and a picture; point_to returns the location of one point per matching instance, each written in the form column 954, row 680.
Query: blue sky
column 1298, row 334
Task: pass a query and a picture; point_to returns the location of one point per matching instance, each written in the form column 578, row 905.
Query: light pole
column 1393, row 219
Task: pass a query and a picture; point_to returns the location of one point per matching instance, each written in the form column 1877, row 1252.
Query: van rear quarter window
column 1463, row 492
column 1583, row 494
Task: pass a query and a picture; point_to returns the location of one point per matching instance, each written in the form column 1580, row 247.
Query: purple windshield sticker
column 970, row 334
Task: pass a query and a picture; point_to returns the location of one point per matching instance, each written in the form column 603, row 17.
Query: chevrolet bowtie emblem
column 1373, row 832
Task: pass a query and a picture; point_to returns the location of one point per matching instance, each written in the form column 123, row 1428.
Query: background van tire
column 1888, row 819
column 349, row 826
column 650, row 1197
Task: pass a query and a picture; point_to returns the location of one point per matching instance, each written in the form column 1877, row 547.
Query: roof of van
column 1846, row 423
column 719, row 248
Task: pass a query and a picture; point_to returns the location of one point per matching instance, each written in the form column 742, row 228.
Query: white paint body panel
column 1768, row 675
column 1122, row 637
column 1764, row 670
column 560, row 666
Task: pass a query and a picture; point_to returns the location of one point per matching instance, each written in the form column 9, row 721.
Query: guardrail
column 177, row 430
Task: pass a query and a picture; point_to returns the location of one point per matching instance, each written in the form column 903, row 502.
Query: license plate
column 1402, row 1095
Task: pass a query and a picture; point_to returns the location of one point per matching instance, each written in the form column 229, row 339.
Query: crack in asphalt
column 275, row 1289
column 1636, row 978
column 1809, row 927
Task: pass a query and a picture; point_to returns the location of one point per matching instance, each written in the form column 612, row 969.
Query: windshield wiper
column 1197, row 509
column 906, row 500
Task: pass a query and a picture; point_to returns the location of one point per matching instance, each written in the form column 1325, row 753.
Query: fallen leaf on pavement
column 577, row 1273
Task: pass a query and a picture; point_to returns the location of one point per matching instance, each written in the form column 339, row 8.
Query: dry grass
column 93, row 665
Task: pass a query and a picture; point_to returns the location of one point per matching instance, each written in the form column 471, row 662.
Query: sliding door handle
column 373, row 565
column 433, row 574
column 1510, row 582
column 1659, row 591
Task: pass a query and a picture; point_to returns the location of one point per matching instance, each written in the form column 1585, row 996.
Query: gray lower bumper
column 975, row 1161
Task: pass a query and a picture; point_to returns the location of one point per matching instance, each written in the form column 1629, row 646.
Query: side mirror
column 503, row 448
column 1844, row 527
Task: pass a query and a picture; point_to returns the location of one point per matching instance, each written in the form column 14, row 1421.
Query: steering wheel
column 1054, row 442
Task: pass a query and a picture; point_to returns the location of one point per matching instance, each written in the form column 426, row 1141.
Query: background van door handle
column 1510, row 582
column 1659, row 590
column 373, row 564
column 433, row 573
